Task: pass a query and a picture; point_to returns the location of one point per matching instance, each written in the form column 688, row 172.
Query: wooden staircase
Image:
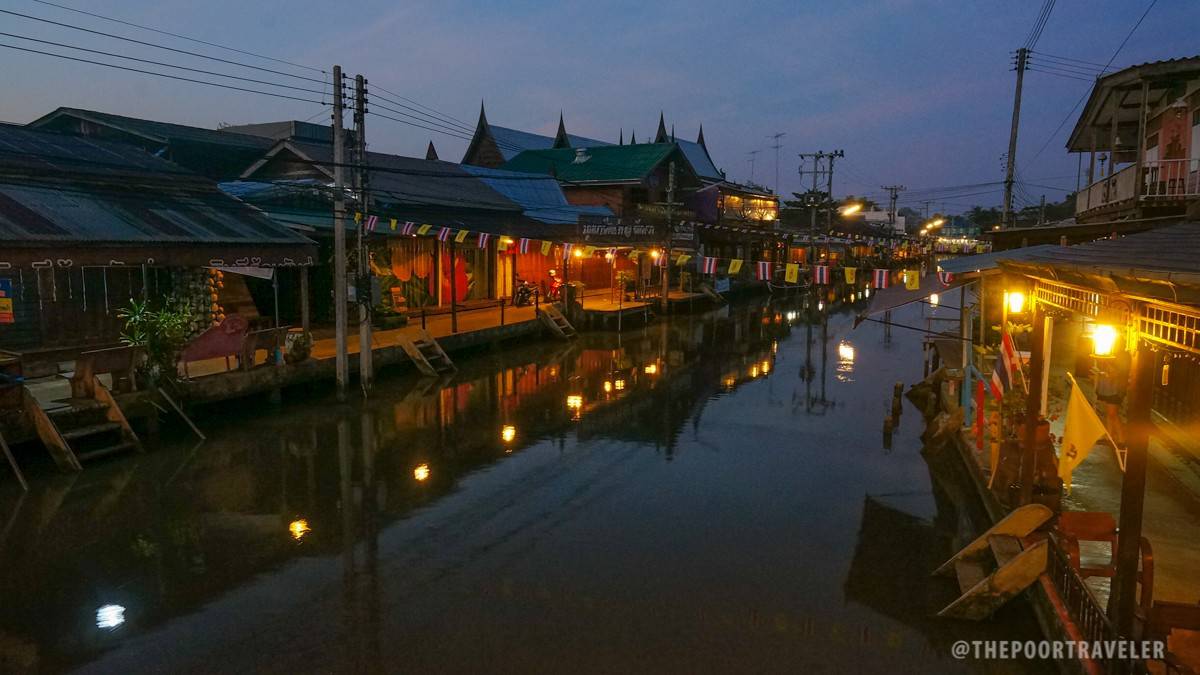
column 556, row 322
column 427, row 354
column 998, row 565
column 84, row 430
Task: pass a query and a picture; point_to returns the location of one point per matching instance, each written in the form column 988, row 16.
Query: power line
column 422, row 105
column 166, row 75
column 1069, row 59
column 161, row 63
column 181, row 37
column 1085, row 93
column 158, row 46
column 1039, row 25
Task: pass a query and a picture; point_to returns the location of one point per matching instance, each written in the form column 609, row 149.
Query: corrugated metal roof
column 403, row 181
column 542, row 200
column 982, row 262
column 699, row 159
column 512, row 142
column 165, row 132
column 57, row 189
column 608, row 163
column 1159, row 253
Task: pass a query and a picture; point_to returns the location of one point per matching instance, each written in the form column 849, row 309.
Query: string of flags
column 764, row 270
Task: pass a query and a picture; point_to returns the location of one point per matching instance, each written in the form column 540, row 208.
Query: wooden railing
column 1161, row 179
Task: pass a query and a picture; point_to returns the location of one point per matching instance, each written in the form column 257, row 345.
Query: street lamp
column 850, row 208
column 1104, row 338
column 1014, row 301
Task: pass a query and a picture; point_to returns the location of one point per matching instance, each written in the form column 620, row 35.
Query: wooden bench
column 1076, row 526
column 226, row 339
column 268, row 339
column 120, row 362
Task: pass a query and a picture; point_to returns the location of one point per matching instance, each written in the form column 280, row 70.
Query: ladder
column 556, row 322
column 998, row 565
column 426, row 354
column 88, row 429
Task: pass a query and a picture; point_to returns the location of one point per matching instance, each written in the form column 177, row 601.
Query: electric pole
column 1042, row 212
column 814, row 199
column 339, row 238
column 776, row 147
column 666, row 255
column 364, row 296
column 752, row 154
column 893, row 192
column 1006, row 215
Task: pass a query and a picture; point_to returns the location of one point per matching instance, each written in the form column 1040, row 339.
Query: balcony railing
column 1162, row 179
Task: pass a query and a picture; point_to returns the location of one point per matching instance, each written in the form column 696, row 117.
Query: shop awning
column 887, row 299
column 985, row 262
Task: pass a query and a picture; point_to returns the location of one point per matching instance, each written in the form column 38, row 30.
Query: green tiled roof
column 607, row 163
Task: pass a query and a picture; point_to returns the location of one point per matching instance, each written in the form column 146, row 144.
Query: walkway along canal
column 705, row 494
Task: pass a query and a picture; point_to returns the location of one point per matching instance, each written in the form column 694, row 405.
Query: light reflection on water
column 670, row 498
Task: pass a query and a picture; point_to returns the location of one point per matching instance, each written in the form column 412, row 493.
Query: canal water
column 709, row 494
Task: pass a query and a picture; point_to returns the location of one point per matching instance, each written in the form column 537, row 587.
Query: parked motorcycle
column 524, row 293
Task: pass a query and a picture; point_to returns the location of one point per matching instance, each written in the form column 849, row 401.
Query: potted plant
column 160, row 334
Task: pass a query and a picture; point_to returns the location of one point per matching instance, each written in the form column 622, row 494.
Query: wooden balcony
column 1162, row 182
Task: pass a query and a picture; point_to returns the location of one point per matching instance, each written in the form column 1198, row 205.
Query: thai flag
column 484, row 238
column 662, row 260
column 945, row 277
column 524, row 245
column 710, row 265
column 821, row 274
column 762, row 270
column 1011, row 360
column 1000, row 382
column 408, row 227
column 443, row 234
column 567, row 251
column 372, row 223
column 881, row 278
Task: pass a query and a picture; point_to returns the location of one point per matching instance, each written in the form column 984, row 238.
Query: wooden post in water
column 453, row 292
column 1133, row 492
column 1033, row 405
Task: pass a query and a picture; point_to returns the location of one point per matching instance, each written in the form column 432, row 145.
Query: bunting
column 762, row 270
column 523, row 247
column 880, row 278
column 851, row 274
column 567, row 251
column 461, row 236
column 484, row 237
column 735, row 266
column 945, row 277
column 821, row 274
column 682, row 259
column 546, row 246
column 791, row 273
column 372, row 223
column 392, row 223
column 912, row 280
column 443, row 234
column 424, row 229
column 709, row 265
column 408, row 227
column 589, row 251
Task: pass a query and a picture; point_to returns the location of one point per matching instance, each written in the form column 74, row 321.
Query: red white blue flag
column 408, row 227
column 710, row 265
column 524, row 245
column 372, row 223
column 821, row 274
column 443, row 234
column 881, row 278
column 945, row 277
column 567, row 251
column 1012, row 360
column 762, row 270
column 484, row 238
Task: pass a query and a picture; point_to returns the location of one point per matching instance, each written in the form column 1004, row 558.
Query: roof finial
column 661, row 136
column 633, row 136
column 700, row 138
column 672, row 133
column 560, row 139
column 430, row 151
column 621, row 137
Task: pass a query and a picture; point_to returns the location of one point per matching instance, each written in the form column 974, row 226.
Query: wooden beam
column 1133, row 491
column 1033, row 404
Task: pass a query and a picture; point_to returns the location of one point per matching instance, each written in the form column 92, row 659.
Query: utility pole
column 893, row 192
column 339, row 239
column 366, row 368
column 1042, row 214
column 815, row 198
column 776, row 147
column 1006, row 215
column 753, row 155
column 666, row 255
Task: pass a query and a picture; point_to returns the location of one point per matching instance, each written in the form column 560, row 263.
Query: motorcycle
column 524, row 293
column 556, row 284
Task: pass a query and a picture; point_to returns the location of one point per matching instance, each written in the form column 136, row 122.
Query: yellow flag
column 424, row 229
column 851, row 274
column 683, row 258
column 791, row 273
column 980, row 248
column 358, row 216
column 546, row 247
column 735, row 266
column 912, row 280
column 502, row 244
column 1081, row 430
column 588, row 251
column 461, row 236
column 633, row 255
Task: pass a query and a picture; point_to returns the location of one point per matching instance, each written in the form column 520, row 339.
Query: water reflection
column 249, row 530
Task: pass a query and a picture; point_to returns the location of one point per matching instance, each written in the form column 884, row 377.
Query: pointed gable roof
column 661, row 135
column 493, row 145
column 700, row 138
column 561, row 140
column 430, row 151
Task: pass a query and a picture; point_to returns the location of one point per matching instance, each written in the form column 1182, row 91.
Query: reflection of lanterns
column 933, row 299
column 578, row 253
column 754, row 370
column 729, row 382
column 866, row 292
column 608, row 256
column 608, row 387
column 574, row 401
column 846, row 352
column 110, row 616
column 765, row 366
column 821, row 306
column 1104, row 338
column 619, row 385
column 507, row 433
column 654, row 253
column 421, row 473
column 1015, row 301
column 298, row 528
column 651, row 369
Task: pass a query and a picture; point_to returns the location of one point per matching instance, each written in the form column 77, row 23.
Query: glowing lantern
column 933, row 299
column 1104, row 338
column 421, row 473
column 1015, row 301
column 298, row 528
column 507, row 433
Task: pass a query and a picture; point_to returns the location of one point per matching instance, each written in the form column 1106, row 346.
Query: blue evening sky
column 918, row 93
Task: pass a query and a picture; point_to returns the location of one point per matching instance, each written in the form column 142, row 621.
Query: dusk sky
column 916, row 93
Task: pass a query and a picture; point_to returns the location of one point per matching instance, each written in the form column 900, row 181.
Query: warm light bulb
column 1015, row 301
column 933, row 299
column 507, row 433
column 421, row 472
column 1104, row 338
column 298, row 528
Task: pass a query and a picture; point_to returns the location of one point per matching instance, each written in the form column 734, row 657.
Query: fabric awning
column 887, row 299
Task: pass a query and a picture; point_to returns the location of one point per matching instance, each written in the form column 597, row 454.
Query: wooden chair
column 1076, row 526
column 268, row 339
column 1162, row 620
column 223, row 340
column 119, row 362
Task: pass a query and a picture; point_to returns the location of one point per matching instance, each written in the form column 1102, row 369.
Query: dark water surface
column 708, row 495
